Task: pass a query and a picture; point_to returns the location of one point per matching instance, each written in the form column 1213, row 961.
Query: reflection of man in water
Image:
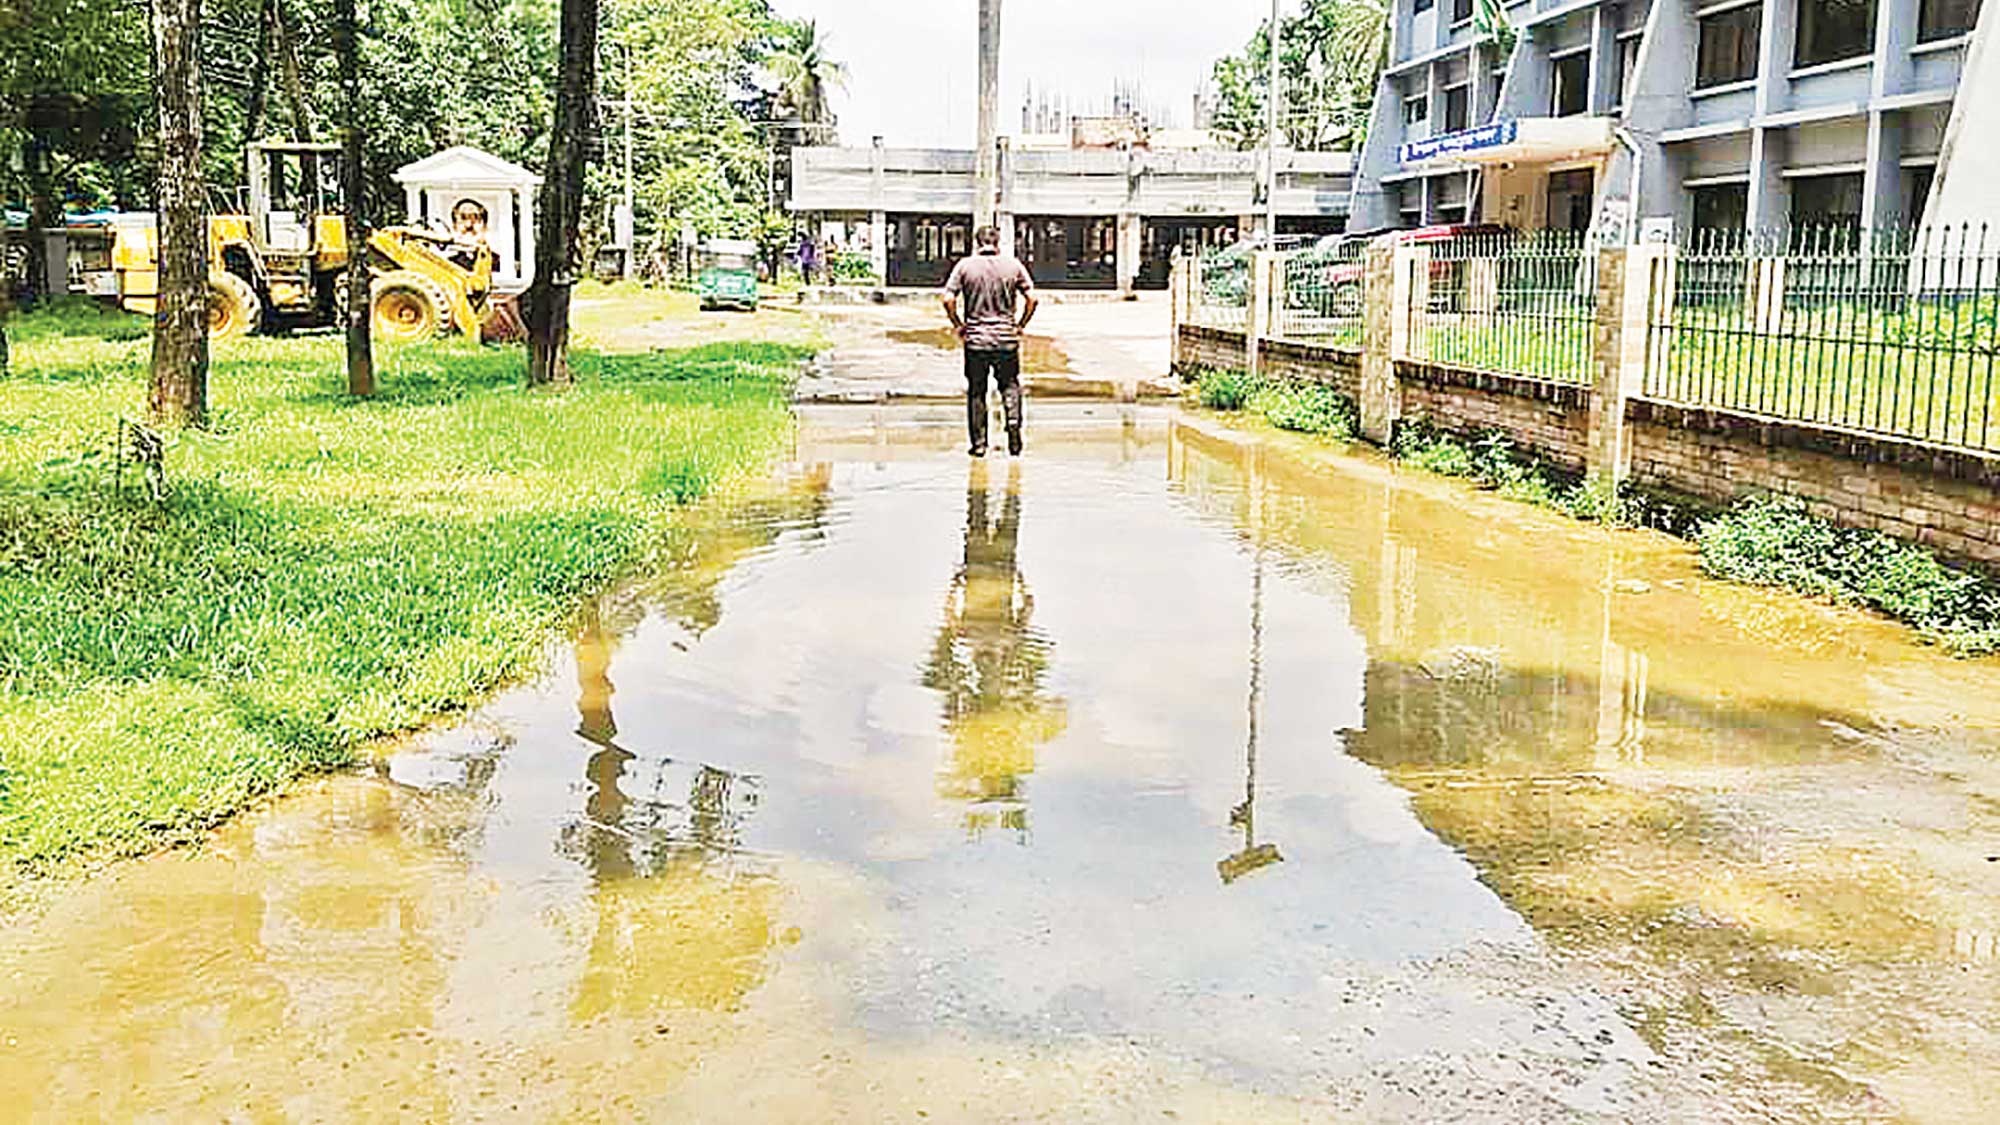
column 989, row 663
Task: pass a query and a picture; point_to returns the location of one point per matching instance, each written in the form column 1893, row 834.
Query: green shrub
column 1491, row 460
column 1224, row 388
column 1307, row 408
column 1776, row 541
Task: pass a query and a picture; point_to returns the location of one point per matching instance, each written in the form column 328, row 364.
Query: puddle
column 1040, row 355
column 1162, row 771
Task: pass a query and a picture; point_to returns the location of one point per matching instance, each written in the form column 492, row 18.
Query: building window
column 1946, row 19
column 1819, row 202
column 1422, row 5
column 1628, row 68
column 1572, row 195
column 1721, row 207
column 1729, row 42
column 1461, row 11
column 1831, row 30
column 1572, row 85
column 1917, row 193
column 1457, row 108
column 1416, row 111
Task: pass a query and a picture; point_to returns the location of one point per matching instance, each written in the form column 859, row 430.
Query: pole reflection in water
column 1253, row 856
column 989, row 663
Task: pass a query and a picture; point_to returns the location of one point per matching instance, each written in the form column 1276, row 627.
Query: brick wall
column 1550, row 421
column 1339, row 368
column 1209, row 347
column 1946, row 499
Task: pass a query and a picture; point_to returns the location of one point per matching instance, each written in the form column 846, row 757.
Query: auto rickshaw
column 728, row 277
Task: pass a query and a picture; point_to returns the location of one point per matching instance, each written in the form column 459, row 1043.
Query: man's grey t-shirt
column 989, row 285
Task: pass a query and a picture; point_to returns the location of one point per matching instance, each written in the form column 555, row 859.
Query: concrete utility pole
column 1271, row 139
column 985, row 208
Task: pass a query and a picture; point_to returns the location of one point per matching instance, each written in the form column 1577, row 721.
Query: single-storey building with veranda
column 1079, row 217
column 1634, row 117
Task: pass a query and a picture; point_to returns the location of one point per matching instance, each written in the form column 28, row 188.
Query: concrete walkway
column 1099, row 349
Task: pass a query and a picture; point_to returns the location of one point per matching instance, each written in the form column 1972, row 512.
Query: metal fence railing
column 1222, row 292
column 1323, row 298
column 1889, row 332
column 1525, row 304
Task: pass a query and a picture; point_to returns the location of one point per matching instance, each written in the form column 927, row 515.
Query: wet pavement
column 1168, row 773
column 1115, row 350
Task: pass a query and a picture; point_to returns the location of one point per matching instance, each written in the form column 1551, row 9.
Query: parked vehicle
column 1338, row 290
column 281, row 262
column 728, row 275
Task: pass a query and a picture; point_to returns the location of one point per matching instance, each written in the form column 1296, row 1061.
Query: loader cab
column 292, row 186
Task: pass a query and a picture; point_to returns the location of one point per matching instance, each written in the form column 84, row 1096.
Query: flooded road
column 1169, row 773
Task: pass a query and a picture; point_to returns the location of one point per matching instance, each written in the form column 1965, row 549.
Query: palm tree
column 807, row 76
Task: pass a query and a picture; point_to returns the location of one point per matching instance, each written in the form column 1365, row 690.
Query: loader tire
column 405, row 306
column 233, row 307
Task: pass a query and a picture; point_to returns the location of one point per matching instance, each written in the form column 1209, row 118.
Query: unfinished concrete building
column 1080, row 217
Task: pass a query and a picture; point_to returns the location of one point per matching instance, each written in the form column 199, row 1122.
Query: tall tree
column 1331, row 54
column 179, row 390
column 807, row 77
column 562, row 202
column 354, row 188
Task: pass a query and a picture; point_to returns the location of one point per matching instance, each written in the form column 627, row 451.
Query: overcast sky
column 914, row 68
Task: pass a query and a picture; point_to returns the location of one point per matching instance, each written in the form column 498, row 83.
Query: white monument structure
column 437, row 183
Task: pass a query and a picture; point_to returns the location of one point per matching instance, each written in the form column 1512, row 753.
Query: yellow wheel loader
column 281, row 264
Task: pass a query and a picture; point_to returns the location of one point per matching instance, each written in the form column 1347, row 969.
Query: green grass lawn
column 323, row 571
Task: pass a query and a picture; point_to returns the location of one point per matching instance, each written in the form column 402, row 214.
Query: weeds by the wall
column 1224, row 388
column 1307, row 408
column 1492, row 461
column 1776, row 541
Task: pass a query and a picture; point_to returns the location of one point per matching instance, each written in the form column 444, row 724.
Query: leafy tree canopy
column 702, row 80
column 1330, row 56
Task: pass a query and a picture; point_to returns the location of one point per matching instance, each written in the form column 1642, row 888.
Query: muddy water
column 1167, row 773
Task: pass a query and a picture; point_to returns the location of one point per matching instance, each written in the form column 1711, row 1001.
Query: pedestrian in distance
column 809, row 259
column 998, row 298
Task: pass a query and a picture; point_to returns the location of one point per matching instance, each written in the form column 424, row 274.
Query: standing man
column 999, row 299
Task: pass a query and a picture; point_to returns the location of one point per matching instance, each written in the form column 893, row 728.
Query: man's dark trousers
column 1004, row 368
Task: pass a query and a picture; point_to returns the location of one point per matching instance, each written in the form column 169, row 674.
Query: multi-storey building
column 1629, row 115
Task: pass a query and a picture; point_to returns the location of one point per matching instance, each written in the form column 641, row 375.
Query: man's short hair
column 986, row 236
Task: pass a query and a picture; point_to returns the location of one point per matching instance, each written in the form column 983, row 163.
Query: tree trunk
column 4, row 371
column 295, row 83
column 179, row 391
column 353, row 186
column 260, row 72
column 43, row 214
column 562, row 202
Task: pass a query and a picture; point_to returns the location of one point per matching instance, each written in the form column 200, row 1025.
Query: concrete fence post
column 1411, row 286
column 1633, row 285
column 1381, row 393
column 1177, row 301
column 1260, row 325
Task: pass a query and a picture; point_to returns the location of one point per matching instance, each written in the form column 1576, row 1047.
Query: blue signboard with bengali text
column 1462, row 142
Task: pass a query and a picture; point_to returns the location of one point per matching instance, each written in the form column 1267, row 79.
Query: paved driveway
column 1098, row 348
